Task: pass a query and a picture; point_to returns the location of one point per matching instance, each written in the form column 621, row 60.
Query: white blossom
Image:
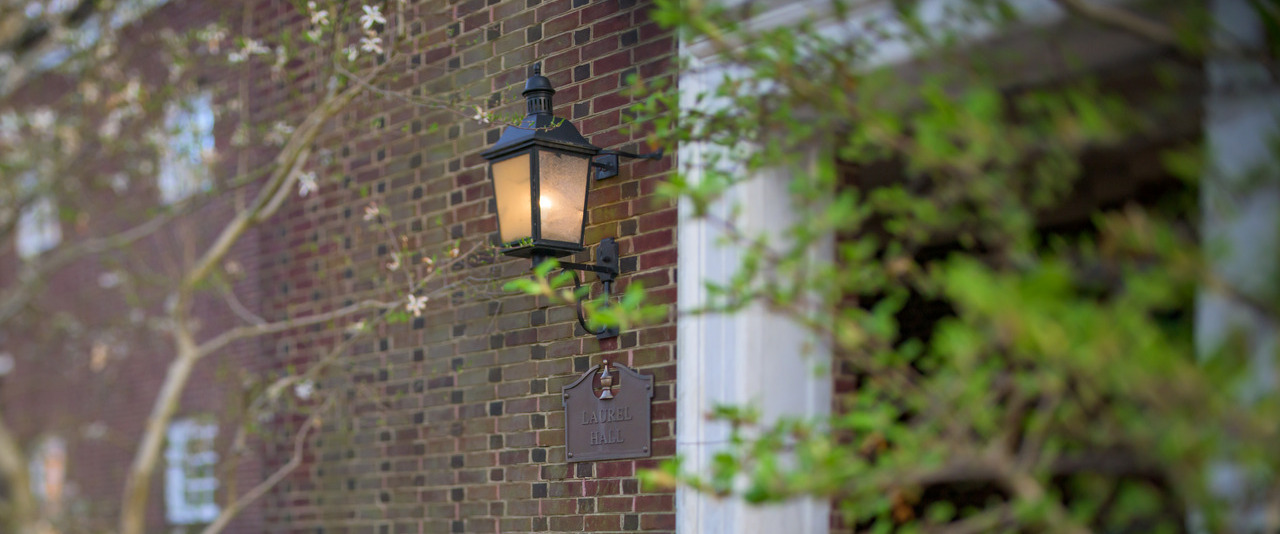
column 416, row 305
column 281, row 59
column 352, row 53
column 111, row 125
column 99, row 356
column 318, row 17
column 255, row 47
column 304, row 389
column 10, row 127
column 90, row 92
column 307, row 183
column 371, row 211
column 42, row 120
column 132, row 91
column 394, row 264
column 212, row 35
column 251, row 47
column 371, row 44
column 481, row 116
column 372, row 15
column 108, row 279
column 279, row 133
column 94, row 430
column 240, row 137
column 314, row 35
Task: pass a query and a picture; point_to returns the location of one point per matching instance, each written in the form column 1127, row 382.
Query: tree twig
column 233, row 509
column 1121, row 19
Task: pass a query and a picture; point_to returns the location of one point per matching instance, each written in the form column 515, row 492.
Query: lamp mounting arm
column 606, row 161
column 606, row 269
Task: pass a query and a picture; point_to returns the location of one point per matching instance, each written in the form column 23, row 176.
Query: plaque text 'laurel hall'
column 606, row 434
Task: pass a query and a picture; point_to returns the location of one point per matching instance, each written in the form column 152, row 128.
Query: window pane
column 511, row 189
column 38, row 228
column 188, row 148
column 190, row 478
column 563, row 189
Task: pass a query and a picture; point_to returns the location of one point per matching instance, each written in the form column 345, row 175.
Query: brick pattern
column 457, row 423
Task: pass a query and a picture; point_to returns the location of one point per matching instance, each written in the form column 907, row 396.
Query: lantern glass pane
column 511, row 190
column 562, row 183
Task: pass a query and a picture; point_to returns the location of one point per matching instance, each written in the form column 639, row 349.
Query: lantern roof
column 540, row 126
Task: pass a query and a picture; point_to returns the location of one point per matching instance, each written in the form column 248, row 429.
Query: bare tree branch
column 232, row 510
column 286, row 165
column 238, row 308
column 242, row 332
column 22, row 509
column 33, row 274
column 1122, row 19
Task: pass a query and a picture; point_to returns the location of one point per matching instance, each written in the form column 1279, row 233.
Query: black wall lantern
column 541, row 172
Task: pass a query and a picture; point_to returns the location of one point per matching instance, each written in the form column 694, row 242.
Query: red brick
column 474, row 22
column 553, row 8
column 561, row 25
column 615, row 469
column 652, row 240
column 657, row 521
column 598, row 49
column 610, row 25
column 615, row 504
column 597, row 523
column 611, row 63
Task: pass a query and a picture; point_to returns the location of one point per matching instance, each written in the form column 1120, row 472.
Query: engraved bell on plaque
column 606, row 382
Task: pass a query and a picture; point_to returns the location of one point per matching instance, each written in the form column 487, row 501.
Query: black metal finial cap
column 537, row 92
column 537, row 82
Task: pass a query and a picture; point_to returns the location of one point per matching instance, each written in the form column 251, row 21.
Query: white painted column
column 1241, row 209
column 752, row 357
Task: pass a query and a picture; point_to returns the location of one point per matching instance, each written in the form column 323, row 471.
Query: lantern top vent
column 540, row 125
column 538, row 92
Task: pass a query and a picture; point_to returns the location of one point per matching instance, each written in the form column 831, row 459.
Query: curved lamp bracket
column 606, row 269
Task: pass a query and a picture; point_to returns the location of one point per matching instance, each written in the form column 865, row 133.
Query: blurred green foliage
column 1060, row 390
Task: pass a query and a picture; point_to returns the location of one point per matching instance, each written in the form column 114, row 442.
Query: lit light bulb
column 545, row 202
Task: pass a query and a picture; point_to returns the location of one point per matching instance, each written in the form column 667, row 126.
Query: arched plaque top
column 624, row 371
column 608, row 427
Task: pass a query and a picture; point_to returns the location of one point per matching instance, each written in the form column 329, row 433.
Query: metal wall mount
column 606, row 162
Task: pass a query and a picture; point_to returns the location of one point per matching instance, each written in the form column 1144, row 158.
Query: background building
column 396, row 414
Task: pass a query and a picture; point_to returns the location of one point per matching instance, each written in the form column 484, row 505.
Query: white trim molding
column 753, row 357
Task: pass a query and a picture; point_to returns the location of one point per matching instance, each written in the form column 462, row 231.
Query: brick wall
column 454, row 420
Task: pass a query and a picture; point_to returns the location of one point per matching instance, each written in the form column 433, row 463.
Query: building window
column 190, row 478
column 48, row 470
column 38, row 226
column 187, row 150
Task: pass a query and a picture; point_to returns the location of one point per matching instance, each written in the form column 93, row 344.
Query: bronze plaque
column 606, row 414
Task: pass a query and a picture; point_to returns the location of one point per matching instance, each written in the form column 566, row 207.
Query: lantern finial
column 537, row 93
